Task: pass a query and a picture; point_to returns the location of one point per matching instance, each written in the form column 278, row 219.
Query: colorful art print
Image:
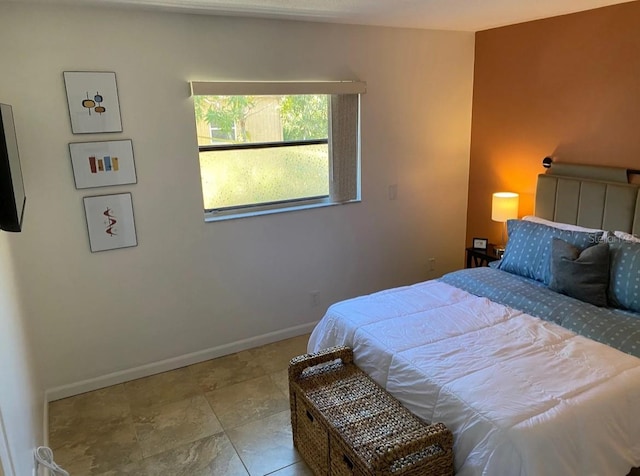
column 93, row 101
column 101, row 164
column 110, row 222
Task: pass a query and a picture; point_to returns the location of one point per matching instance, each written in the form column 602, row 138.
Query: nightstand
column 478, row 257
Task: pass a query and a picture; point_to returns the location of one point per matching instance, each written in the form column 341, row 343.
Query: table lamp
column 504, row 206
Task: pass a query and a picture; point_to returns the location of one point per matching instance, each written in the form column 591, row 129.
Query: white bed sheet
column 522, row 396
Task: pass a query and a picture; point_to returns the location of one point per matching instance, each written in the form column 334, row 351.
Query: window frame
column 344, row 153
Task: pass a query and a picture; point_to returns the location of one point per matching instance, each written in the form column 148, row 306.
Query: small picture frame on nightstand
column 480, row 243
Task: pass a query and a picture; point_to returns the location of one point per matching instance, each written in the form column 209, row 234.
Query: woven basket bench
column 346, row 424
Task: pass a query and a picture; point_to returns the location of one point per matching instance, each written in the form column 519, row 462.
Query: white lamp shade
column 504, row 206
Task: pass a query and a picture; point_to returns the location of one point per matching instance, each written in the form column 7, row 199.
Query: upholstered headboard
column 596, row 197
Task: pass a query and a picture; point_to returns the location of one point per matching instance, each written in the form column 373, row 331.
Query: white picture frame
column 110, row 222
column 93, row 101
column 102, row 164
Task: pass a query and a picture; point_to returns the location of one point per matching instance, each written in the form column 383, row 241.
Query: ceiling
column 466, row 15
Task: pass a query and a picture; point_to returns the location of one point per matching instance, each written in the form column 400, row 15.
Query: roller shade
column 260, row 88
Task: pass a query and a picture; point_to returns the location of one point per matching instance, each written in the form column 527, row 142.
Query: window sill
column 212, row 217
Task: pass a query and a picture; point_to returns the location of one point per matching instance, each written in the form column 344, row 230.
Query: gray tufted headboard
column 594, row 197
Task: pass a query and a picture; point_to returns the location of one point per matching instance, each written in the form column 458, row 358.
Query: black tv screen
column 12, row 196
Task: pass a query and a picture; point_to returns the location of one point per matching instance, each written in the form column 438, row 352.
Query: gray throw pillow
column 581, row 275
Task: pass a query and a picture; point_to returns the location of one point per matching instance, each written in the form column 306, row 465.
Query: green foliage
column 304, row 117
column 229, row 113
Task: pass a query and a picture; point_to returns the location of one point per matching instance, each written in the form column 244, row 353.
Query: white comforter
column 521, row 395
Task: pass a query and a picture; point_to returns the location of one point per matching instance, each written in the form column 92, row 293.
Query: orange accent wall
column 568, row 87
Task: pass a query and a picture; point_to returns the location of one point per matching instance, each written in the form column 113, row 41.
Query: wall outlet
column 315, row 298
column 431, row 264
column 393, row 191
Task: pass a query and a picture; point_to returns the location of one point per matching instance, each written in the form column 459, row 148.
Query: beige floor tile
column 281, row 379
column 73, row 417
column 247, row 401
column 298, row 469
column 211, row 456
column 164, row 427
column 161, row 389
column 170, row 420
column 227, row 370
column 99, row 451
column 276, row 356
column 265, row 445
column 137, row 468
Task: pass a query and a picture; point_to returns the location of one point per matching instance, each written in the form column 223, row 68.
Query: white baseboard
column 115, row 378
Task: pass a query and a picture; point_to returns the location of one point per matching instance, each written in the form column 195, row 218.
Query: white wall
column 190, row 286
column 20, row 397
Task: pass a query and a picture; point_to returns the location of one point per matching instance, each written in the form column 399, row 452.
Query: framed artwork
column 110, row 222
column 100, row 164
column 93, row 102
column 480, row 243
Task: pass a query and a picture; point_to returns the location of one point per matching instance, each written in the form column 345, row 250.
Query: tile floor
column 224, row 417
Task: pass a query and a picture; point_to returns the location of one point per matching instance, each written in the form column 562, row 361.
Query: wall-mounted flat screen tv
column 12, row 196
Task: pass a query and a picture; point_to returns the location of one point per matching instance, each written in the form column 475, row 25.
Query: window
column 216, row 133
column 267, row 147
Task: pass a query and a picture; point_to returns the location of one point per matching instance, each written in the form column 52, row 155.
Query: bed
column 531, row 371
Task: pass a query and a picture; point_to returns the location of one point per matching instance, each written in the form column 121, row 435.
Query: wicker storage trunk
column 345, row 424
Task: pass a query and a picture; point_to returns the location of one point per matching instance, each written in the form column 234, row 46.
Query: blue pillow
column 528, row 251
column 624, row 278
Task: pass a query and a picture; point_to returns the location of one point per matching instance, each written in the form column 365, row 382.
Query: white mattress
column 521, row 395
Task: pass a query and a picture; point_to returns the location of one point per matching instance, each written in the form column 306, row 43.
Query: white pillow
column 560, row 226
column 623, row 235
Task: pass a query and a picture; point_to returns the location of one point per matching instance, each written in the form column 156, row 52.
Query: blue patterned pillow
column 528, row 251
column 624, row 280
